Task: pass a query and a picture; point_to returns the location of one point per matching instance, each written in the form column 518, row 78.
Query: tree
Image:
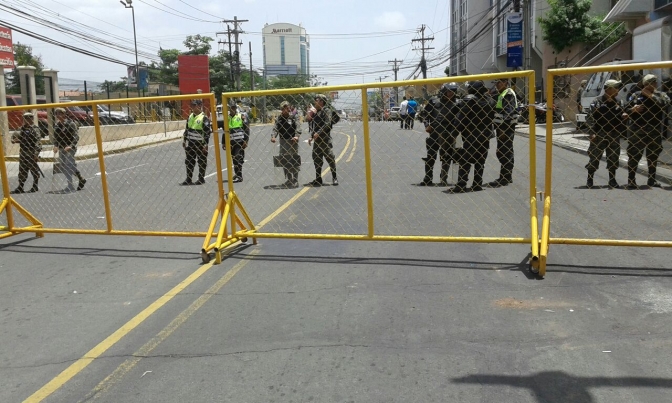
column 114, row 86
column 566, row 23
column 23, row 56
column 166, row 71
column 447, row 71
column 197, row 45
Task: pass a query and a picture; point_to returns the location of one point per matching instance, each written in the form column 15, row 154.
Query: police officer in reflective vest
column 506, row 114
column 439, row 117
column 195, row 143
column 238, row 132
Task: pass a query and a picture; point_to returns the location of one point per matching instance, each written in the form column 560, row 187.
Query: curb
column 662, row 177
column 95, row 155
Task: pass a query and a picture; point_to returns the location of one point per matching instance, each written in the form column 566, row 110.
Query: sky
column 350, row 41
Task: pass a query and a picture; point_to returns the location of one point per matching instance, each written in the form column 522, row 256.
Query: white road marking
column 121, row 170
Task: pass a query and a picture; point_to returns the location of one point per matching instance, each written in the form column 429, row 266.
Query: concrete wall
column 87, row 135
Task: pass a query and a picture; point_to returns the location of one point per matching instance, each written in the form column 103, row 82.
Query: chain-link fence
column 611, row 165
column 346, row 163
column 116, row 175
column 342, row 163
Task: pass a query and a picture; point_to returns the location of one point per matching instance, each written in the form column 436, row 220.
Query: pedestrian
column 475, row 119
column 440, row 119
column 30, row 147
column 579, row 92
column 607, row 125
column 195, row 143
column 412, row 109
column 320, row 125
column 66, row 137
column 403, row 113
column 288, row 131
column 506, row 116
column 647, row 110
column 239, row 134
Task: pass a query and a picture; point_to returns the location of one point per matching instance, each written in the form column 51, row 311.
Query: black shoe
column 499, row 182
column 476, row 188
column 187, row 182
column 237, row 179
column 443, row 182
column 613, row 184
column 457, row 189
column 589, row 182
column 200, row 181
column 315, row 183
column 632, row 184
column 81, row 184
column 653, row 183
column 334, row 182
column 17, row 191
column 425, row 183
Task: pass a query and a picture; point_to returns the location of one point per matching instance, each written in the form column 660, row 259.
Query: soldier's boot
column 34, row 188
column 18, row 190
column 82, row 181
column 462, row 178
column 612, row 179
column 238, row 174
column 429, row 172
column 652, row 182
column 589, row 181
column 444, row 173
column 477, row 185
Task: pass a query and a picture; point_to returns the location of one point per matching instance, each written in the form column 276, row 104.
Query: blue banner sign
column 514, row 40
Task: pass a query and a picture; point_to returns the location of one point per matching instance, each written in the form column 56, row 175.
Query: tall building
column 286, row 49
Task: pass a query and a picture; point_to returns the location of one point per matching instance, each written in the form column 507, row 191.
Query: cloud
column 390, row 20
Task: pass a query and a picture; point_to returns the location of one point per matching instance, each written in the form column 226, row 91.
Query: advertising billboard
column 6, row 48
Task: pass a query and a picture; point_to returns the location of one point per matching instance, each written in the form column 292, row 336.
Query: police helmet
column 476, row 87
column 445, row 88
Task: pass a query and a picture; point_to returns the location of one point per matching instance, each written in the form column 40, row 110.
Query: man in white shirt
column 403, row 114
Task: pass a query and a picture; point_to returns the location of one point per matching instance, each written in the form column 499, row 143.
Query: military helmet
column 446, row 87
column 322, row 97
column 476, row 86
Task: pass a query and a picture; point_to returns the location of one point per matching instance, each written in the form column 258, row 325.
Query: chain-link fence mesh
column 612, row 160
column 414, row 161
column 56, row 173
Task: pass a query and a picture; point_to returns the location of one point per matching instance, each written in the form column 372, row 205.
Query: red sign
column 194, row 75
column 6, row 48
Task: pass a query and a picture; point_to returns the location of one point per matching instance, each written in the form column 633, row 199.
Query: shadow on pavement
column 560, row 387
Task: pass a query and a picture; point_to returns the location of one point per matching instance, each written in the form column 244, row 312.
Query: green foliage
column 114, row 86
column 447, row 71
column 23, row 56
column 566, row 23
column 197, row 45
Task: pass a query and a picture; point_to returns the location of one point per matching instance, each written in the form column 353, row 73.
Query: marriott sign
column 6, row 48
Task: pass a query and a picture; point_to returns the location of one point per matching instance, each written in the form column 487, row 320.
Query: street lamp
column 129, row 4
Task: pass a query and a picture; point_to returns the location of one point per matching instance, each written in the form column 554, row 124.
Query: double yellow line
column 79, row 365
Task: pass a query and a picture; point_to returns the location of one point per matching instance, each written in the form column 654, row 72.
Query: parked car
column 108, row 117
column 394, row 113
column 342, row 114
column 15, row 117
column 78, row 114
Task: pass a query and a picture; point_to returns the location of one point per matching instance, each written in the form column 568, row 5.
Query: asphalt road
column 327, row 321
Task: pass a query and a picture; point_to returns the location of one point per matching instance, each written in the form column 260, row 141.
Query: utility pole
column 251, row 75
column 382, row 101
column 228, row 34
column 423, row 60
column 527, row 35
column 235, row 58
column 395, row 69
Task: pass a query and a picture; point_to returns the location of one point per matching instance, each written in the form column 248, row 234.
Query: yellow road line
column 354, row 147
column 301, row 192
column 146, row 349
column 79, row 365
column 103, row 346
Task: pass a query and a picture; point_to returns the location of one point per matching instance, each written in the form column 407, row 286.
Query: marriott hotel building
column 286, row 49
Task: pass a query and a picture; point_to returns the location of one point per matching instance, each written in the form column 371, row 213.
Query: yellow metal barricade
column 124, row 175
column 595, row 212
column 378, row 165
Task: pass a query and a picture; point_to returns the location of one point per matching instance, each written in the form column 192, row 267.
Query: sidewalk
column 109, row 147
column 566, row 136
